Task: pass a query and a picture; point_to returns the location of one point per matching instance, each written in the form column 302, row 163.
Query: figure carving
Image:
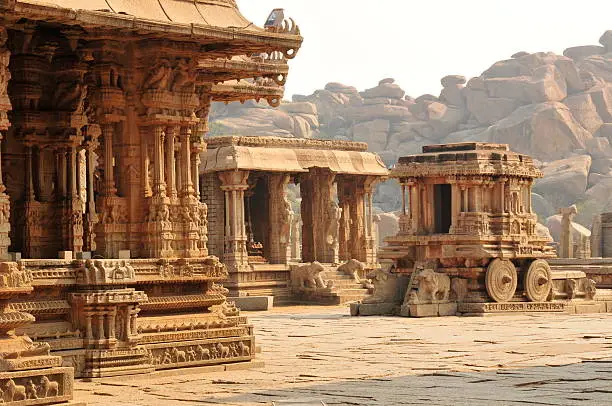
column 14, row 276
column 191, row 354
column 334, row 212
column 166, row 358
column 185, row 76
column 308, row 276
column 352, row 268
column 244, row 349
column 69, row 96
column 5, row 56
column 285, row 221
column 570, row 285
column 432, row 286
column 159, row 77
column 31, row 391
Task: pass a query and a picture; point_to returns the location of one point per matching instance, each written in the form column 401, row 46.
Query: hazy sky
column 359, row 42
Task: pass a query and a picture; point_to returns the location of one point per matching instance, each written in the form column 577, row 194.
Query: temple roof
column 195, row 19
column 289, row 155
column 466, row 159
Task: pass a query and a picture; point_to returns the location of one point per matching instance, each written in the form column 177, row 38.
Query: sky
column 359, row 42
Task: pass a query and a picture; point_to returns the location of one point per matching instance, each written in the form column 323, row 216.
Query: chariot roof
column 466, row 159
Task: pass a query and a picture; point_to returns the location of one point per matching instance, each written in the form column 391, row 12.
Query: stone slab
column 374, row 309
column 83, row 255
column 253, row 303
column 125, row 254
column 65, row 255
column 447, row 309
column 592, row 307
column 424, row 310
column 512, row 307
column 241, row 366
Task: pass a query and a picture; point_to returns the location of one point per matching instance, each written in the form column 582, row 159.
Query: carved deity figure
column 334, row 212
column 5, row 56
column 285, row 221
column 184, row 77
column 159, row 77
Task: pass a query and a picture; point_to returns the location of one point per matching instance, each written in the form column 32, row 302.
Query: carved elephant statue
column 386, row 287
column 432, row 286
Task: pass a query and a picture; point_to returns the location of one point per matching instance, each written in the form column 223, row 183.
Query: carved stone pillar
column 170, row 165
column 281, row 217
column 187, row 187
column 321, row 217
column 91, row 218
column 159, row 186
column 74, row 211
column 371, row 244
column 5, row 212
column 234, row 184
column 109, row 178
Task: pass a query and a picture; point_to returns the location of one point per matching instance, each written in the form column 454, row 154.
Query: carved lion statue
column 432, row 286
column 352, row 268
column 308, row 276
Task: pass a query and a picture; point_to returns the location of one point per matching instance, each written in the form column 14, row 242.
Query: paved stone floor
column 320, row 354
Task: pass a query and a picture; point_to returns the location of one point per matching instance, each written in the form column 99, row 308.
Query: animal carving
column 48, row 387
column 590, row 289
column 224, row 352
column 203, row 353
column 385, row 287
column 14, row 392
column 352, row 268
column 179, row 356
column 308, row 276
column 432, row 286
column 244, row 349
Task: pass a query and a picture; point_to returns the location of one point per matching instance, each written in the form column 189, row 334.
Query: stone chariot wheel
column 538, row 281
column 501, row 280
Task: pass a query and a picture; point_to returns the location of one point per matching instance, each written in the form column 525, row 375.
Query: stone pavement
column 320, row 354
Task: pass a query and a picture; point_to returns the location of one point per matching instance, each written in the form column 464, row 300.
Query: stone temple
column 103, row 112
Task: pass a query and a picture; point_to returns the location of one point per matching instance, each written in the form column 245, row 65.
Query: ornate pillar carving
column 91, row 218
column 187, row 187
column 170, row 164
column 321, row 217
column 281, row 217
column 234, row 184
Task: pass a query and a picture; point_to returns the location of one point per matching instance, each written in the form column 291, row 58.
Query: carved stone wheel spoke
column 501, row 280
column 538, row 281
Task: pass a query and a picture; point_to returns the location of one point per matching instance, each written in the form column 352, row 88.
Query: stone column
column 100, row 317
column 159, row 186
column 280, row 218
column 321, row 216
column 5, row 213
column 455, row 206
column 32, row 229
column 170, row 165
column 74, row 210
column 566, row 245
column 109, row 178
column 187, row 187
column 234, row 184
column 91, row 218
column 371, row 248
column 415, row 207
column 596, row 237
column 88, row 330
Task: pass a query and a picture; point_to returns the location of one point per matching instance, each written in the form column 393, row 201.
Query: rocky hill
column 557, row 108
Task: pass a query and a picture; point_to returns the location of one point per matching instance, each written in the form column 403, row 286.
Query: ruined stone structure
column 601, row 236
column 103, row 113
column 468, row 239
column 244, row 181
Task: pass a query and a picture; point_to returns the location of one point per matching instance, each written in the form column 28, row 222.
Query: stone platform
column 384, row 361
